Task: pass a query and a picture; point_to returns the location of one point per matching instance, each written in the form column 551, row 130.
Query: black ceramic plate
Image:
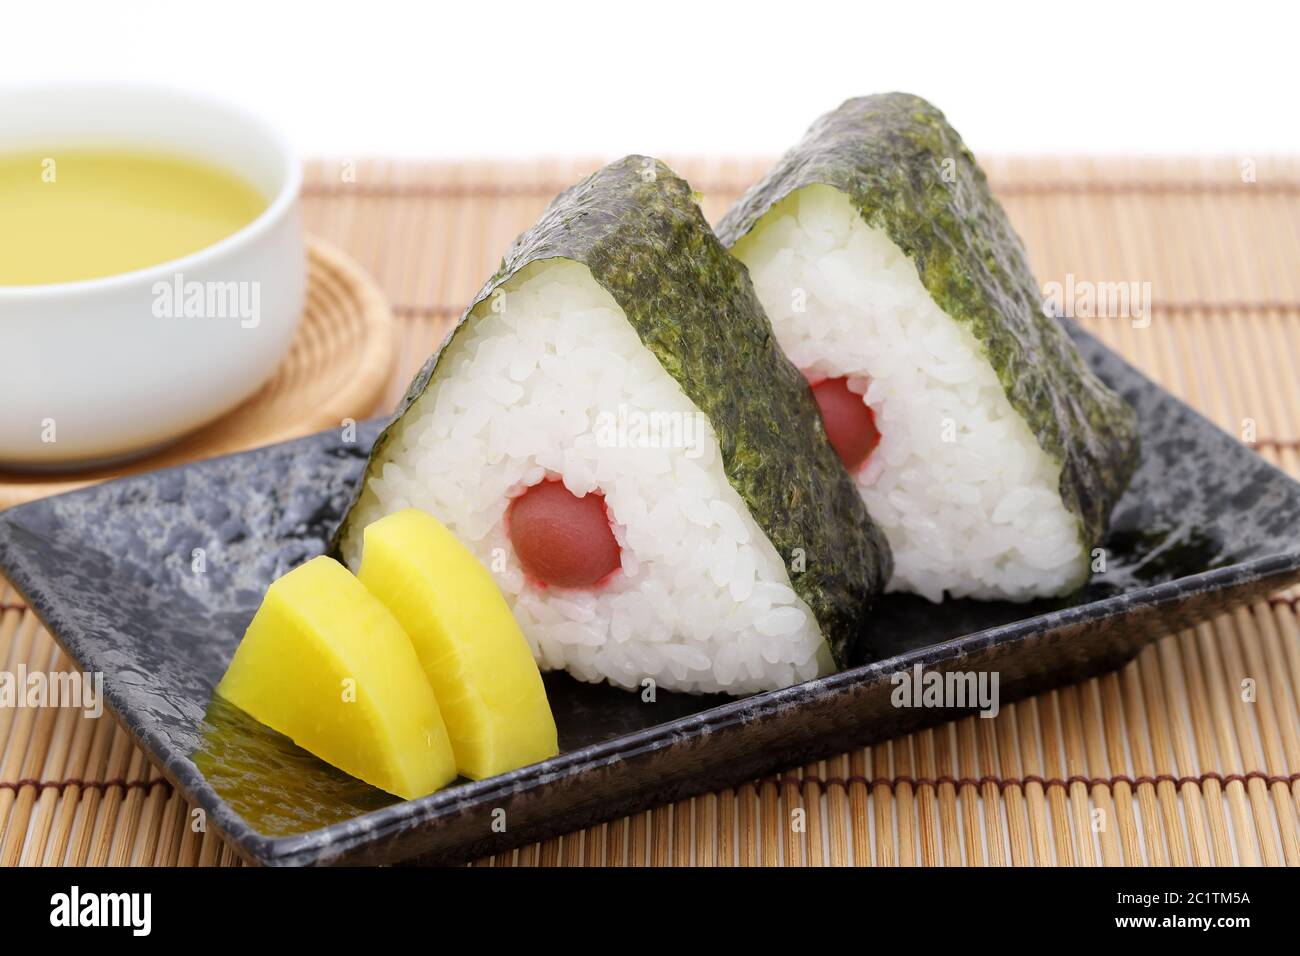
column 112, row 572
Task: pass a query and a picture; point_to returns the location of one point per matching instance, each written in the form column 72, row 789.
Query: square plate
column 152, row 579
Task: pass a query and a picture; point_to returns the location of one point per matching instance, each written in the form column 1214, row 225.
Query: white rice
column 528, row 390
column 968, row 500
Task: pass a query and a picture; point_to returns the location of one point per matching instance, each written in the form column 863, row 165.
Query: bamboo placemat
column 1188, row 755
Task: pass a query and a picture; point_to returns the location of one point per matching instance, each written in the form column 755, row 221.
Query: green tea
column 86, row 213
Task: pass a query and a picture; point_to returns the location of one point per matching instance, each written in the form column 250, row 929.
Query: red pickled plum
column 850, row 423
column 562, row 540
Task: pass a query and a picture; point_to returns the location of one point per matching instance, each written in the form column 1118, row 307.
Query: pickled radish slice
column 476, row 659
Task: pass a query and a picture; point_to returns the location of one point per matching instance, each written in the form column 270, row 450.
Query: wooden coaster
column 336, row 368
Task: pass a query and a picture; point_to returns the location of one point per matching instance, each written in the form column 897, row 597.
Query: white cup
column 108, row 369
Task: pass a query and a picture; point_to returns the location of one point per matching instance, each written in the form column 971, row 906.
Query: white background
column 500, row 79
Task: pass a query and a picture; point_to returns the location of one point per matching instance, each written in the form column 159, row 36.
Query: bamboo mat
column 1189, row 755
